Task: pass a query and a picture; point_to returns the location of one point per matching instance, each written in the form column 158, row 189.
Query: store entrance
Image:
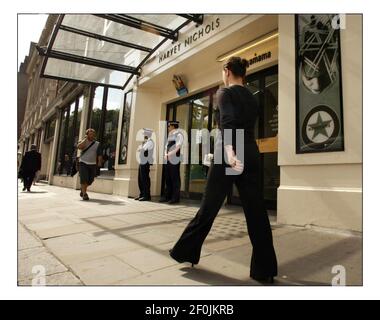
column 264, row 87
column 193, row 113
column 196, row 112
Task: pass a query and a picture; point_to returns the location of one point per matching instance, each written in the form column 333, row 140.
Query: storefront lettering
column 169, row 53
column 273, row 123
column 260, row 57
column 202, row 32
column 191, row 39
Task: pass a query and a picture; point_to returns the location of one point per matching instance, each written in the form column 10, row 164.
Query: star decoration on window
column 320, row 126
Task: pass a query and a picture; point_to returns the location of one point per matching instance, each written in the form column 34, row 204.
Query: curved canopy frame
column 107, row 49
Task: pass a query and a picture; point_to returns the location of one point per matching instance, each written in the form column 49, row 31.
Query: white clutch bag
column 208, row 159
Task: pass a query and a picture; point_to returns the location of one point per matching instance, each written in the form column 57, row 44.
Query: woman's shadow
column 213, row 278
column 216, row 279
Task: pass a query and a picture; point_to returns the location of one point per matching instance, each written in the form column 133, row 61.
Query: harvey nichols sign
column 199, row 34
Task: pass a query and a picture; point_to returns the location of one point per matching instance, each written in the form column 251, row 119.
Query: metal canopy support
column 82, row 81
column 155, row 49
column 140, row 24
column 89, row 61
column 197, row 18
column 104, row 38
column 51, row 42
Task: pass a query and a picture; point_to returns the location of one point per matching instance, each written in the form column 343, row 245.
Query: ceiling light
column 250, row 45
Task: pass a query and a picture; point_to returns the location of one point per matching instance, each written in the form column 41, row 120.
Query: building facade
column 22, row 92
column 304, row 188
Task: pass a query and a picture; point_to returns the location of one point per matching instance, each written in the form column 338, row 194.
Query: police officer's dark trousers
column 144, row 180
column 263, row 261
column 172, row 181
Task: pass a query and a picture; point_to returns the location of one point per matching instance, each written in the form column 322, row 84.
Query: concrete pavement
column 112, row 240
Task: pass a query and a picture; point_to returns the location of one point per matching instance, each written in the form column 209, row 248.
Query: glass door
column 182, row 115
column 193, row 113
column 268, row 142
column 199, row 121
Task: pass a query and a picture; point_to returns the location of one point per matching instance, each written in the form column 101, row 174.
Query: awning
column 107, row 49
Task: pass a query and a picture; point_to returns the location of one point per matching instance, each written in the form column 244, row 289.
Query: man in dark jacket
column 31, row 163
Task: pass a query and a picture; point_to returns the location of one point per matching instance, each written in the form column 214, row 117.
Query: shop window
column 32, row 140
column 97, row 109
column 26, row 146
column 110, row 128
column 125, row 128
column 68, row 136
column 50, row 130
column 78, row 117
column 104, row 119
column 38, row 142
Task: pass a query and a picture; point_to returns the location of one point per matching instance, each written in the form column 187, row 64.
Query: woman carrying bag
column 237, row 109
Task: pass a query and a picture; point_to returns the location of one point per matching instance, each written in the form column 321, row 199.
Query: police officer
column 146, row 160
column 172, row 157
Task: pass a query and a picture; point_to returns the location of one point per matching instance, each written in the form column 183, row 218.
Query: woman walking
column 237, row 109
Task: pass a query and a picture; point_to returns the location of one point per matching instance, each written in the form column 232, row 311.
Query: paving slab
column 58, row 279
column 29, row 261
column 147, row 260
column 26, row 240
column 72, row 228
column 75, row 254
column 105, row 271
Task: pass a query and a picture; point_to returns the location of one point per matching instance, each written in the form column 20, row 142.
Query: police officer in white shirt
column 172, row 166
column 146, row 160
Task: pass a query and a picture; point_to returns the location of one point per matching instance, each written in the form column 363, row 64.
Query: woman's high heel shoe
column 180, row 260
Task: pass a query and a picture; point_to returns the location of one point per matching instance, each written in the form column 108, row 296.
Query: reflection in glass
column 60, row 163
column 199, row 121
column 96, row 113
column 68, row 136
column 182, row 115
column 50, row 129
column 114, row 99
column 78, row 118
column 271, row 106
column 123, row 152
column 254, row 87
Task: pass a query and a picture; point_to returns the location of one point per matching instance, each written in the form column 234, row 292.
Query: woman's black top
column 237, row 109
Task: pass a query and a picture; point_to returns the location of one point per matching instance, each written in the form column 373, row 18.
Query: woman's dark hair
column 237, row 66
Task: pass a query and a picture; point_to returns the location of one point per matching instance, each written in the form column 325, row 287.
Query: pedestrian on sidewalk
column 236, row 109
column 146, row 151
column 89, row 161
column 30, row 165
column 172, row 166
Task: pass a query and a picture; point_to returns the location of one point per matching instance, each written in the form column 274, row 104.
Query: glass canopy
column 107, row 49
